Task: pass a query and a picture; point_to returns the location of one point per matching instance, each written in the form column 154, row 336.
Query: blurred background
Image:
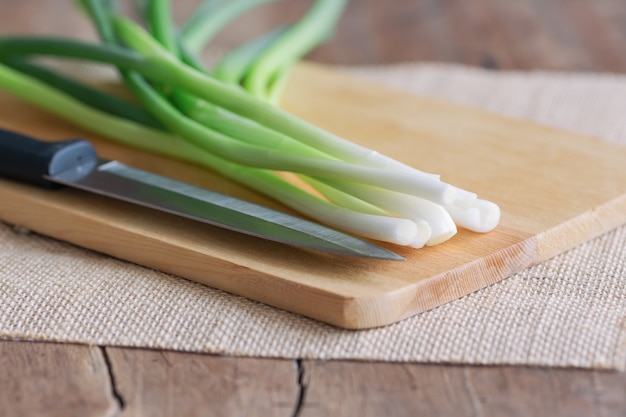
column 568, row 35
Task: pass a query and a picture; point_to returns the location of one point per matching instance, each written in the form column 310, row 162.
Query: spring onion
column 230, row 123
column 127, row 132
column 210, row 18
column 268, row 71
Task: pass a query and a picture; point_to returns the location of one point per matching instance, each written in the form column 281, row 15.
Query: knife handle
column 27, row 159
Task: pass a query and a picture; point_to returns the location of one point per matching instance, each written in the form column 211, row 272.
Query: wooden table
column 73, row 380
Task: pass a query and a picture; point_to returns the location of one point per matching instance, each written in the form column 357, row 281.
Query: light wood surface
column 556, row 190
column 564, row 35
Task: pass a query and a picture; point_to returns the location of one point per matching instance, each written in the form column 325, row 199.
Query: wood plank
column 376, row 389
column 49, row 379
column 68, row 380
column 160, row 383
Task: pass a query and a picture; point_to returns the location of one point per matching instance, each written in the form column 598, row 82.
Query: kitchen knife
column 74, row 163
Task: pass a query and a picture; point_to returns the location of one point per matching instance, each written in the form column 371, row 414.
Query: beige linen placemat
column 569, row 311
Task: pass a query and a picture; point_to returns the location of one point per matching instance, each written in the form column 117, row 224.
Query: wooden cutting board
column 556, row 190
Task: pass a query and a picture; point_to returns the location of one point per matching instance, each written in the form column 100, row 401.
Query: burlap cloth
column 569, row 311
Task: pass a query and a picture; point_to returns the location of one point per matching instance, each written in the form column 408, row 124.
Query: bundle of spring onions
column 226, row 118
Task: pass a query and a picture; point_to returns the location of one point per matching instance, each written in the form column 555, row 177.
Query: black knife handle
column 27, row 159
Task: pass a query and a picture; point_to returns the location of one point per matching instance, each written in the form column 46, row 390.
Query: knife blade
column 74, row 163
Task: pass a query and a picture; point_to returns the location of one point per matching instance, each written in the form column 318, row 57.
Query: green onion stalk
column 211, row 17
column 267, row 73
column 127, row 132
column 189, row 114
column 157, row 64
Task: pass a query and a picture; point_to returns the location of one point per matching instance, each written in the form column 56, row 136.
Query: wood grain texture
column 46, row 379
column 158, row 384
column 529, row 170
column 398, row 390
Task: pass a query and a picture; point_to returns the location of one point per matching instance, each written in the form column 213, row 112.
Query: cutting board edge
column 440, row 289
column 582, row 228
column 341, row 310
column 338, row 309
column 192, row 265
column 153, row 249
column 418, row 297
